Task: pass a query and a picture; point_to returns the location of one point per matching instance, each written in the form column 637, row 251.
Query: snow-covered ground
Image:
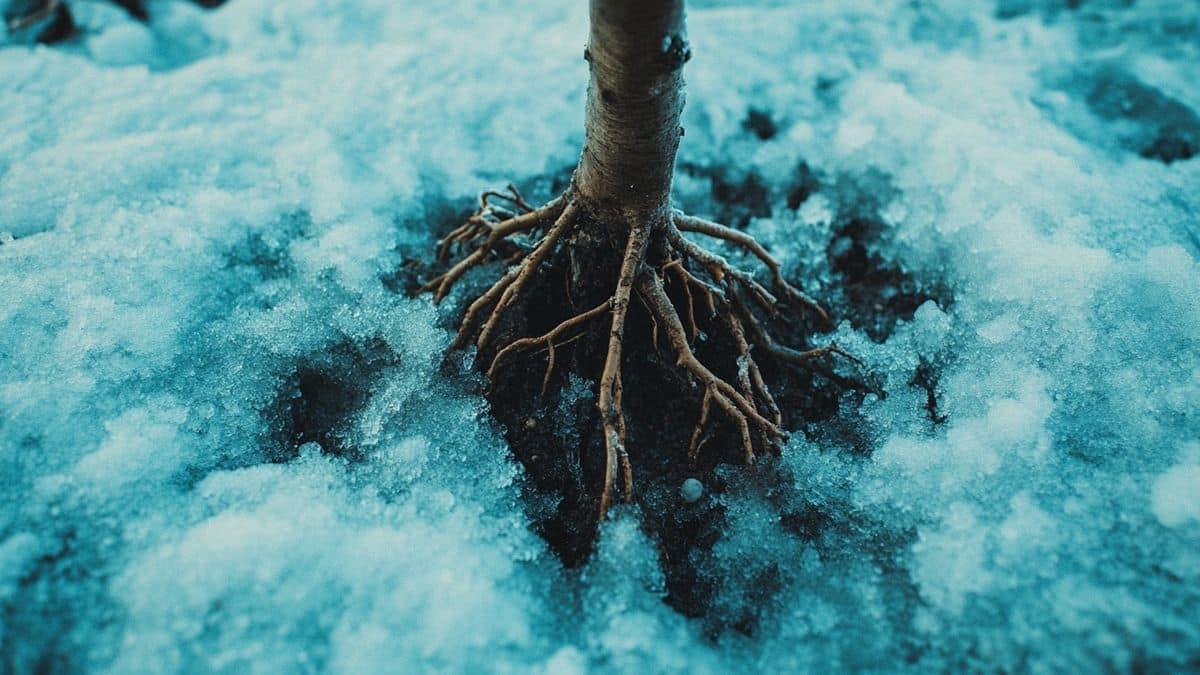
column 194, row 215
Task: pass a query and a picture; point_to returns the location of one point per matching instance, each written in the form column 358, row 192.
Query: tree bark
column 636, row 51
column 615, row 219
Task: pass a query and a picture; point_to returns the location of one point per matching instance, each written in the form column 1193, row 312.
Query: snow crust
column 197, row 213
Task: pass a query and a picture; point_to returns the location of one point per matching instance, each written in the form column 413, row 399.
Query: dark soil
column 556, row 436
column 61, row 25
column 320, row 399
column 1146, row 120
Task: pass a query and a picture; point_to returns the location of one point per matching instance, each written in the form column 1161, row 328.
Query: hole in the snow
column 808, row 522
column 1111, row 108
column 872, row 289
column 1049, row 9
column 803, row 185
column 60, row 25
column 759, row 123
column 876, row 292
column 60, row 28
column 926, row 377
column 1161, row 128
column 556, row 435
column 135, row 8
column 737, row 195
column 321, row 398
column 264, row 254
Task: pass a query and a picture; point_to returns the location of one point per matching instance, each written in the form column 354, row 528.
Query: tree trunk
column 636, row 51
column 610, row 247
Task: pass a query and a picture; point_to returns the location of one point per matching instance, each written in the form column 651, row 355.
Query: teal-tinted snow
column 196, row 219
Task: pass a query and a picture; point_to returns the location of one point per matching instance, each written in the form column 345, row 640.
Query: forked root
column 739, row 406
column 489, row 221
column 709, row 281
column 612, row 414
column 688, row 223
column 548, row 340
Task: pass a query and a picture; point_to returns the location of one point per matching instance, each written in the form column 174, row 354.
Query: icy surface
column 199, row 220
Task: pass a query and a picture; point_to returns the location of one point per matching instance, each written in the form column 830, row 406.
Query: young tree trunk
column 636, row 53
column 618, row 206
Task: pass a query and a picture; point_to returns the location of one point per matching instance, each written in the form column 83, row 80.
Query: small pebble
column 691, row 490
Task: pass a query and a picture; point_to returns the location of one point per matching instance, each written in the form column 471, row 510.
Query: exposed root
column 566, row 221
column 484, row 222
column 719, row 269
column 548, row 340
column 688, row 223
column 811, row 359
column 47, row 8
column 612, row 414
column 467, row 328
column 741, row 410
column 686, row 280
column 697, row 441
column 704, row 279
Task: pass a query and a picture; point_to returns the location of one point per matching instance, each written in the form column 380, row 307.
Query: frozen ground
column 199, row 222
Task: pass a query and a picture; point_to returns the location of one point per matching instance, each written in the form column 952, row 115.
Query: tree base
column 686, row 294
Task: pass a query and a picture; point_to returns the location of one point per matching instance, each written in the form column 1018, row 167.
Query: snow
column 1174, row 494
column 198, row 217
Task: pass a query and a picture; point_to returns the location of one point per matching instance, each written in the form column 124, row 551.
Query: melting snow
column 198, row 220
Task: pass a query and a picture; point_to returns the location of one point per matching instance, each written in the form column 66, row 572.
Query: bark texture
column 636, row 51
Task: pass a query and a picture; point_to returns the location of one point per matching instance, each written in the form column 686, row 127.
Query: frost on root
column 656, row 256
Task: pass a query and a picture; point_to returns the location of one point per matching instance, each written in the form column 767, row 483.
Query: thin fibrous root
column 529, row 266
column 513, row 196
column 810, row 359
column 485, row 218
column 686, row 223
column 612, row 414
column 676, row 265
column 466, row 328
column 694, row 445
column 750, row 379
column 731, row 309
column 496, row 232
column 547, row 340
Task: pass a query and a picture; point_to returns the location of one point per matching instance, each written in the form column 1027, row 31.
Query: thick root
column 702, row 277
column 612, row 414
